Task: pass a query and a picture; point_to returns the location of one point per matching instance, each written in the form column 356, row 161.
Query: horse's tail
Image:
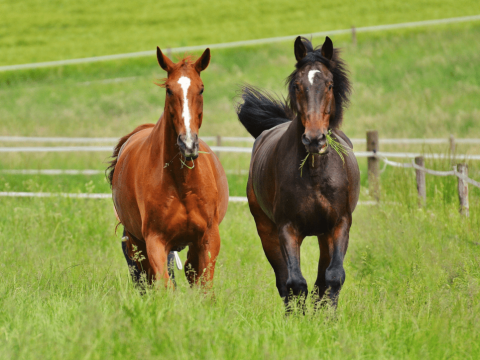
column 111, row 168
column 261, row 111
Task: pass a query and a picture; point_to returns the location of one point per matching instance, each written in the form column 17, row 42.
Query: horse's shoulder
column 270, row 136
column 340, row 134
column 137, row 137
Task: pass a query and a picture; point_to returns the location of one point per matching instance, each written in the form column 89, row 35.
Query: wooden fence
column 373, row 153
column 460, row 170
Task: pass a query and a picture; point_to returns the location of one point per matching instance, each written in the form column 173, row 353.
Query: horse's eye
column 201, row 91
column 330, row 87
column 169, row 92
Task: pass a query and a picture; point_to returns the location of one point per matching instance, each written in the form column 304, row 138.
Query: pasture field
column 406, row 84
column 34, row 31
column 412, row 288
column 413, row 275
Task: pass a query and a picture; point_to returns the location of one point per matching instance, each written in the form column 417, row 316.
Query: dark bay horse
column 169, row 188
column 288, row 204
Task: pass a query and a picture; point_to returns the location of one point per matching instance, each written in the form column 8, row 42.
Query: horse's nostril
column 321, row 140
column 305, row 140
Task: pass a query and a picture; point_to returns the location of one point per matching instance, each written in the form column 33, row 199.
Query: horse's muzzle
column 315, row 144
column 188, row 147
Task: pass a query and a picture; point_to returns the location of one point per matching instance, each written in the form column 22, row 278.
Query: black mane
column 341, row 85
column 262, row 110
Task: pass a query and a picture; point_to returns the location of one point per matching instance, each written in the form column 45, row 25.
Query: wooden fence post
column 354, row 36
column 463, row 190
column 452, row 148
column 373, row 165
column 421, row 187
column 219, row 143
column 169, row 53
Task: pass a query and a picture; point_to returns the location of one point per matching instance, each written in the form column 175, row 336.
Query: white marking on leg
column 311, row 75
column 185, row 84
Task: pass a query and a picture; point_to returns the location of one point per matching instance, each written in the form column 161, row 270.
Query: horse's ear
column 327, row 48
column 299, row 49
column 164, row 62
column 202, row 63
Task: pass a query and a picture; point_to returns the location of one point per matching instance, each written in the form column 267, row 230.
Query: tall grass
column 412, row 289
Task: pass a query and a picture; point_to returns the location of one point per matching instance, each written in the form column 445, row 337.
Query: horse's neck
column 164, row 140
column 293, row 136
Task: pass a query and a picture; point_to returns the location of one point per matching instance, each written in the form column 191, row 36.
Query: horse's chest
column 178, row 216
column 316, row 202
column 311, row 207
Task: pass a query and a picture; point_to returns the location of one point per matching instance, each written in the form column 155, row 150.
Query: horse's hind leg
column 331, row 274
column 135, row 250
column 267, row 230
column 132, row 264
column 171, row 265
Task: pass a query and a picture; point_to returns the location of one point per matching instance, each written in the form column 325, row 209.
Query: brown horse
column 169, row 188
column 286, row 203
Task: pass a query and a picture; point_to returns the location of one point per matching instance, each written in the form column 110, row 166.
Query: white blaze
column 311, row 75
column 185, row 84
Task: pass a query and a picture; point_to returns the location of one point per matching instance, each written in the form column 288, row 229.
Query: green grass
column 408, row 84
column 413, row 278
column 412, row 290
column 33, row 30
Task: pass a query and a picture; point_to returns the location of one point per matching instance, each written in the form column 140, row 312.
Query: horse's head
column 313, row 94
column 184, row 99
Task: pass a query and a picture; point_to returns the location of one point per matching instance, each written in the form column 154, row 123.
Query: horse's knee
column 334, row 279
column 297, row 285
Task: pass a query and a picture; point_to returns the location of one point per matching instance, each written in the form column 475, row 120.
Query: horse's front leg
column 331, row 274
column 157, row 256
column 290, row 241
column 202, row 256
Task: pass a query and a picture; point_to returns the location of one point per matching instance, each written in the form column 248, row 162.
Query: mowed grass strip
column 34, row 31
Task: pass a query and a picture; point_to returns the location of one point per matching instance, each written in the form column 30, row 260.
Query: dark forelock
column 341, row 84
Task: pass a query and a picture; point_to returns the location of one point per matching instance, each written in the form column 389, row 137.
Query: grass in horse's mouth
column 184, row 162
column 340, row 149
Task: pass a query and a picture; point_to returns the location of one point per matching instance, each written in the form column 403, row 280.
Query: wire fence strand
column 453, row 172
